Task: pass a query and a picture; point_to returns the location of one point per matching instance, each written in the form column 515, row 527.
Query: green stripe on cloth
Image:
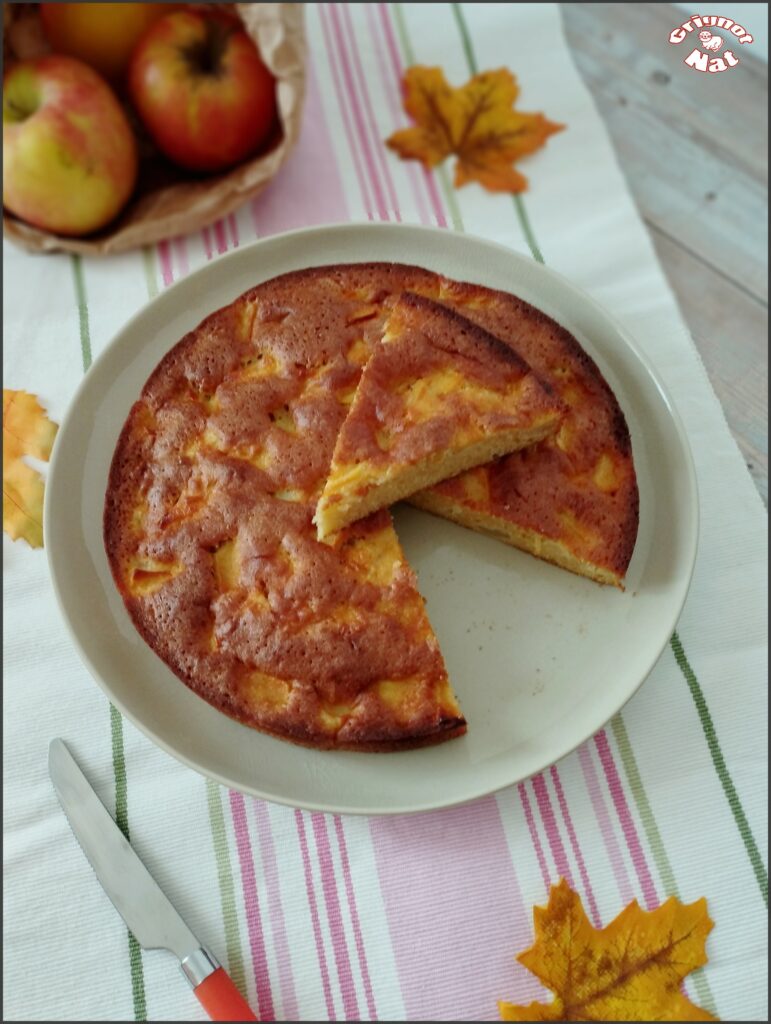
column 647, row 818
column 404, row 39
column 148, row 261
column 121, row 819
column 80, row 295
column 519, row 205
column 465, row 38
column 761, row 874
column 527, row 231
column 655, row 842
column 450, row 198
column 227, row 888
column 116, row 722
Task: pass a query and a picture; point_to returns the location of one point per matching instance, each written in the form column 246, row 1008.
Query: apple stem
column 206, row 54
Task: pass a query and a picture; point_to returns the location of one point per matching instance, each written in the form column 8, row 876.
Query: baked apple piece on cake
column 438, row 396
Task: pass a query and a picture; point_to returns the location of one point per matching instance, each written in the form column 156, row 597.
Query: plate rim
column 367, row 227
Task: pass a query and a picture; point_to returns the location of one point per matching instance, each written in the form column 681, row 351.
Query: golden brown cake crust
column 208, row 512
column 436, row 338
column 209, row 534
column 577, row 487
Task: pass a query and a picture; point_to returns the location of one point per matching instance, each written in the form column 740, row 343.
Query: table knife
column 135, row 894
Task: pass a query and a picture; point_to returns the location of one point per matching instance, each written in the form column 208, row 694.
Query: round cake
column 208, row 522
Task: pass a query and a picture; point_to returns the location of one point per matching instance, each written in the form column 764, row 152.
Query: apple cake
column 218, row 470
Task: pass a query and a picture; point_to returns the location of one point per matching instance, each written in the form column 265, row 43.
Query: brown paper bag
column 167, row 200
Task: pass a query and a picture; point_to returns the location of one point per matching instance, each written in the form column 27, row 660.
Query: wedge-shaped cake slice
column 438, row 396
column 572, row 499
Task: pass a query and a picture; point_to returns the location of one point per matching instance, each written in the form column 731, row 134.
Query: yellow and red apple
column 199, row 85
column 102, row 35
column 69, row 155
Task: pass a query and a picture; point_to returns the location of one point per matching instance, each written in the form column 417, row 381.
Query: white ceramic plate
column 540, row 659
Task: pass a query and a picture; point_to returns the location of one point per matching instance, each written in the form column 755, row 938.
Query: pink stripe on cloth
column 339, row 90
column 309, row 189
column 219, row 237
column 391, row 89
column 424, row 214
column 339, row 945
column 455, row 912
column 393, row 105
column 563, row 804
column 393, row 52
column 433, row 192
column 351, row 896
column 164, row 258
column 363, row 89
column 358, row 118
column 252, row 907
column 627, row 822
column 524, row 800
column 314, row 911
column 208, row 248
column 606, row 829
column 552, row 830
column 276, row 910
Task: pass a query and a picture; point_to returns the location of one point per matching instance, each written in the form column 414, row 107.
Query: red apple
column 201, row 89
column 69, row 155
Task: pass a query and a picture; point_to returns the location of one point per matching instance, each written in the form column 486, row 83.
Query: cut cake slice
column 438, row 396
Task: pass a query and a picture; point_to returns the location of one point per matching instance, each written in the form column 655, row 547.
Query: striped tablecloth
column 320, row 917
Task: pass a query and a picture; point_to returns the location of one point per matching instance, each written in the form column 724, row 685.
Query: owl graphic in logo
column 710, row 42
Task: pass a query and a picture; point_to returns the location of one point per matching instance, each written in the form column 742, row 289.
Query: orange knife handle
column 221, row 999
column 211, row 984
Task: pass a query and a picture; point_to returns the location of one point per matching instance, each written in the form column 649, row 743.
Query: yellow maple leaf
column 630, row 970
column 476, row 121
column 26, row 431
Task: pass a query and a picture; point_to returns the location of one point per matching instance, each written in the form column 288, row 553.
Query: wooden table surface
column 694, row 150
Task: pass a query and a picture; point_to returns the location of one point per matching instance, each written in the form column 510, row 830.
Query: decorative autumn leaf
column 26, row 431
column 630, row 970
column 477, row 122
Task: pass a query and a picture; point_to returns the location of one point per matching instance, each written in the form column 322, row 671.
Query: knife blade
column 133, row 891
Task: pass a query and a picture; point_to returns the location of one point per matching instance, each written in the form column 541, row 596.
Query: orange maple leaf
column 630, row 970
column 26, row 431
column 477, row 122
